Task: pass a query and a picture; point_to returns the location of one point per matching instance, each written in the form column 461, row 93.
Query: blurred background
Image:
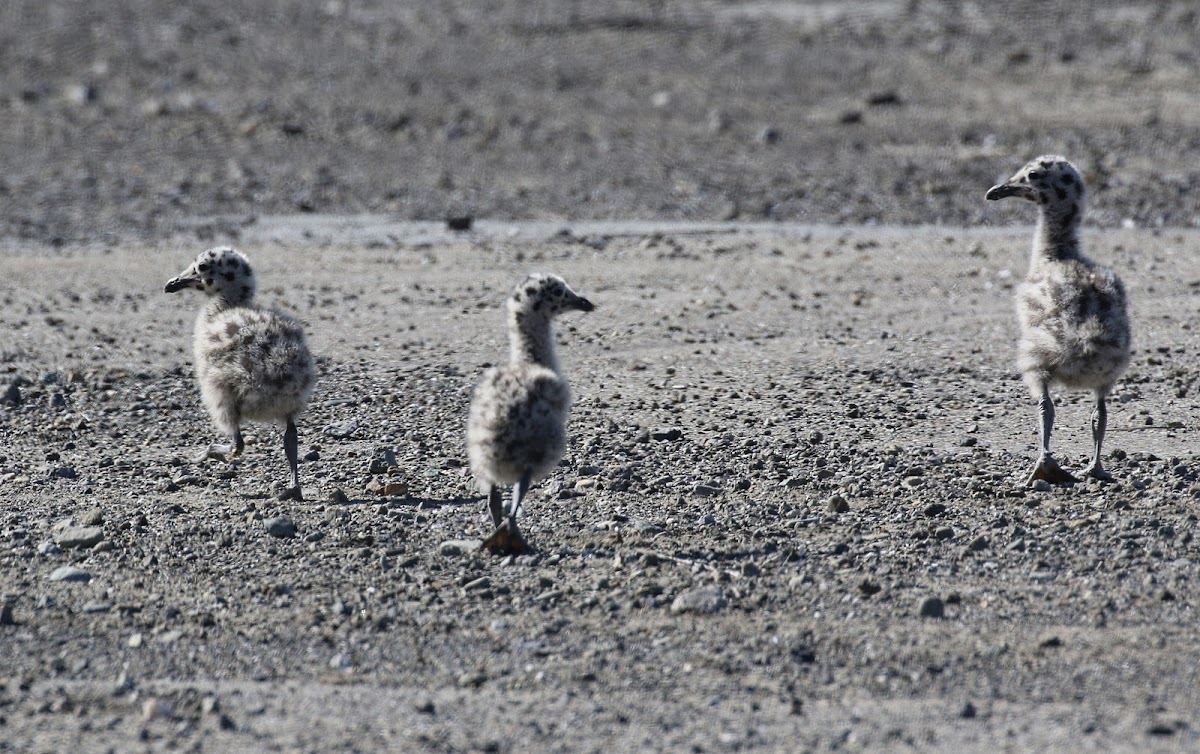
column 140, row 120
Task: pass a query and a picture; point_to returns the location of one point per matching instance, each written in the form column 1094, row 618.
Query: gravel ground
column 128, row 119
column 791, row 516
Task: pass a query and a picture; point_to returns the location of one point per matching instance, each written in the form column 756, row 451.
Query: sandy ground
column 851, row 444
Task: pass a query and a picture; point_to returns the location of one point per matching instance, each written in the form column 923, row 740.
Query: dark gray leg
column 1047, row 468
column 238, row 444
column 518, row 493
column 496, row 505
column 1099, row 425
column 292, row 451
column 507, row 539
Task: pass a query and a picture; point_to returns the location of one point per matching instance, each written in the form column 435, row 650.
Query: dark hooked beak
column 1001, row 191
column 582, row 304
column 181, row 282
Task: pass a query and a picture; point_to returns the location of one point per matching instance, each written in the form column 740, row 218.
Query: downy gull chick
column 251, row 363
column 1072, row 313
column 516, row 431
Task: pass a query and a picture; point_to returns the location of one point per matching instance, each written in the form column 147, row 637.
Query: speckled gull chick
column 517, row 429
column 1072, row 312
column 251, row 363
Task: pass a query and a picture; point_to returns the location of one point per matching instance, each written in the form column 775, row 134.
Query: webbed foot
column 292, row 493
column 506, row 540
column 1049, row 470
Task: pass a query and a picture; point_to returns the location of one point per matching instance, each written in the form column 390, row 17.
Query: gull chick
column 517, row 429
column 251, row 363
column 1072, row 312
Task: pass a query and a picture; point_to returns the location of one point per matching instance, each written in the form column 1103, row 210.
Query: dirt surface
column 787, row 444
column 792, row 516
column 131, row 118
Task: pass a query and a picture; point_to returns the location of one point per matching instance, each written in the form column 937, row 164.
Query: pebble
column 483, row 582
column 424, row 706
column 472, row 679
column 49, row 548
column 134, row 641
column 706, row 600
column 6, row 615
column 933, row 607
column 706, row 490
column 93, row 517
column 459, row 546
column 968, row 711
column 78, row 536
column 280, row 526
column 339, row 496
column 97, row 606
column 70, row 573
column 341, row 430
column 1041, row 485
column 977, row 544
column 669, row 434
column 837, row 504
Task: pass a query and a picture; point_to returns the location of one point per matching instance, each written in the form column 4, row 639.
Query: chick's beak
column 582, row 304
column 1001, row 191
column 179, row 282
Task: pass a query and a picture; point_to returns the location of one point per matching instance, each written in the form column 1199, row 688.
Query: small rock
column 934, row 509
column 424, row 706
column 70, row 573
column 933, row 607
column 280, row 526
column 968, row 711
column 339, row 496
column 706, row 490
column 837, row 504
column 483, row 582
column 341, row 430
column 169, row 637
column 669, row 434
column 78, row 536
column 12, row 395
column 134, row 641
column 49, row 548
column 459, row 546
column 1041, row 485
column 705, row 600
column 460, row 222
column 6, row 615
column 97, row 606
column 93, row 517
column 978, row 544
column 383, row 460
column 63, row 472
column 156, row 708
column 472, row 679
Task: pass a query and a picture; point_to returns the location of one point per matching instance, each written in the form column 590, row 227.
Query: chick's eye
column 203, row 267
column 1036, row 175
